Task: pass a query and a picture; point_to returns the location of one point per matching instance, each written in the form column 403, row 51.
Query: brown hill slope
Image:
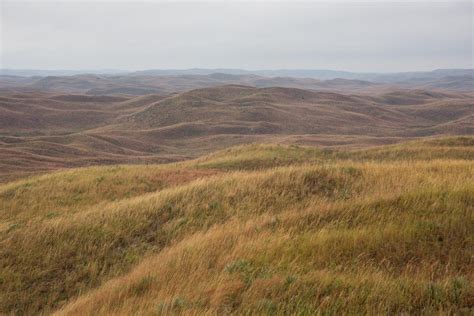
column 41, row 131
column 284, row 111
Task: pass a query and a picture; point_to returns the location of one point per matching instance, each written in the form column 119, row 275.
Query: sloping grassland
column 266, row 229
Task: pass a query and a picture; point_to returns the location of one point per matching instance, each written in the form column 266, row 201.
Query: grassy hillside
column 253, row 229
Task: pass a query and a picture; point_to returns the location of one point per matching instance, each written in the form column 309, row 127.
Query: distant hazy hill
column 140, row 84
column 321, row 74
column 147, row 82
column 62, row 72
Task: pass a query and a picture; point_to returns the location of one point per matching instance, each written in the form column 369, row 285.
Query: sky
column 370, row 36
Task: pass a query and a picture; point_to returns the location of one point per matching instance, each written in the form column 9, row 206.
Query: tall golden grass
column 301, row 231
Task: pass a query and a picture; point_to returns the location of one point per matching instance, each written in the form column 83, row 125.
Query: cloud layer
column 370, row 36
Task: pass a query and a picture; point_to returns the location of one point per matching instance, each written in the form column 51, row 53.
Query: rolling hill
column 321, row 74
column 139, row 84
column 269, row 195
column 45, row 131
column 253, row 229
column 166, row 82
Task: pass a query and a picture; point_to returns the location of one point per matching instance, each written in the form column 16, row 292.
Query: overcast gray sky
column 342, row 35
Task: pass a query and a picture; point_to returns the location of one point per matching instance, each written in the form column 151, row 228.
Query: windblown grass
column 316, row 232
column 69, row 191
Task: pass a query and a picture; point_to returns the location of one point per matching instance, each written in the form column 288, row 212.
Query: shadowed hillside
column 255, row 229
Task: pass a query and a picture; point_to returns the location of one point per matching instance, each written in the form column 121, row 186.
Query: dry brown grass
column 66, row 192
column 299, row 231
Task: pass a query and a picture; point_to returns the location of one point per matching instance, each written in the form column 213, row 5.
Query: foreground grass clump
column 327, row 232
